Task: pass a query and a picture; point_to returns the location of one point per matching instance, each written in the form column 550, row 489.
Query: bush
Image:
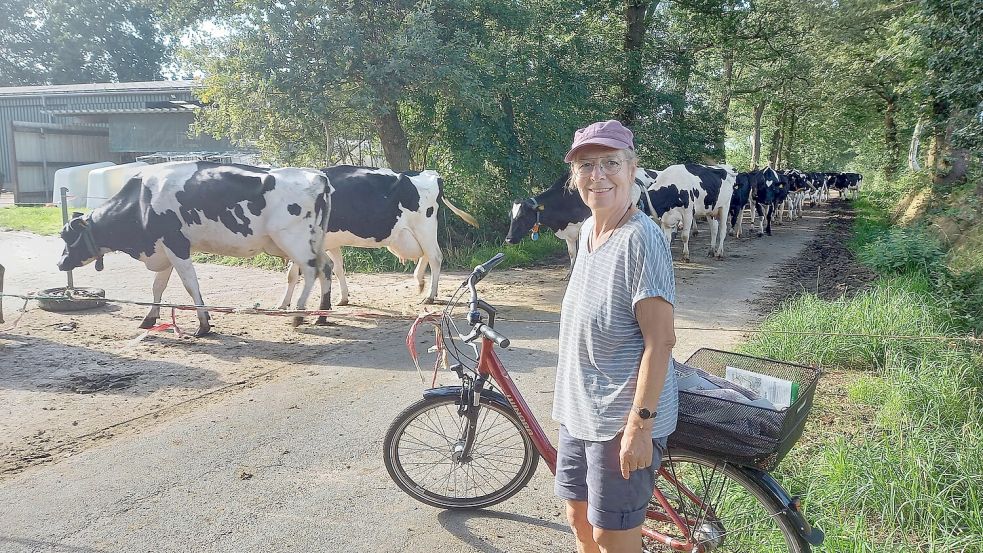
column 902, row 250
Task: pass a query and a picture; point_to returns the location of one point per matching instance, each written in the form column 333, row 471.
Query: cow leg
column 186, row 271
column 687, row 224
column 717, row 231
column 572, row 253
column 771, row 214
column 338, row 266
column 431, row 252
column 324, row 278
column 761, row 220
column 160, row 283
column 310, row 262
column 420, row 274
column 714, row 229
column 293, row 275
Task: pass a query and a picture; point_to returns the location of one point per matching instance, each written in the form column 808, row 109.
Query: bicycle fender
column 455, row 392
column 809, row 533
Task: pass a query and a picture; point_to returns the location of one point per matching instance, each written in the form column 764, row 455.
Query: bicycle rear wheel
column 422, row 450
column 723, row 510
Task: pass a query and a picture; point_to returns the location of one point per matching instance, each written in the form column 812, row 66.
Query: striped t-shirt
column 600, row 341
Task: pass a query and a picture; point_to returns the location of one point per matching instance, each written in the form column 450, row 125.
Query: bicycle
column 478, row 444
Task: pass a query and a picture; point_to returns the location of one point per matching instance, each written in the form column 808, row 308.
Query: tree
column 62, row 42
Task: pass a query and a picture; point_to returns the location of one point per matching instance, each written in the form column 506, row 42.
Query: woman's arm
column 655, row 319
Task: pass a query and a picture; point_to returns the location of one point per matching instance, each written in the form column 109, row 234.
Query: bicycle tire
column 760, row 525
column 443, row 423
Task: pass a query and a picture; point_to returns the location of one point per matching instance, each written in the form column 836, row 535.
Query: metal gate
column 40, row 149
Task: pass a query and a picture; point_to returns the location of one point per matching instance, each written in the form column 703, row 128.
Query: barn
column 46, row 128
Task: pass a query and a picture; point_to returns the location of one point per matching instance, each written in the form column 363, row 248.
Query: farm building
column 46, row 128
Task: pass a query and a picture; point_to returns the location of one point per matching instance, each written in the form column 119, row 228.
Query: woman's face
column 604, row 177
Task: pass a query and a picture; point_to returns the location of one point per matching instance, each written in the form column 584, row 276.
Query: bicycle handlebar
column 492, row 334
column 481, row 271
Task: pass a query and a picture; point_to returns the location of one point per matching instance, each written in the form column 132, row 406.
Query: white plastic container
column 106, row 182
column 76, row 180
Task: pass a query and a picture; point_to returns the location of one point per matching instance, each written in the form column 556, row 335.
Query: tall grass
column 910, row 478
column 897, row 462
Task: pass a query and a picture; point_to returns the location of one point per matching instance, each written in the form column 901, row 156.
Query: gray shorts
column 591, row 471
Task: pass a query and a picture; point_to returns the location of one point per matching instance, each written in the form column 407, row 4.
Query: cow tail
column 458, row 211
column 322, row 210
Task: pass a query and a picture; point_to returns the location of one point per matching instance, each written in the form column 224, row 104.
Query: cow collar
column 89, row 243
column 539, row 209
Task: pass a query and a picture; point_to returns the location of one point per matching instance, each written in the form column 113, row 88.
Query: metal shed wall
column 28, row 104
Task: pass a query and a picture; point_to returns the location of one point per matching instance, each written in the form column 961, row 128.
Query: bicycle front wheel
column 721, row 509
column 422, row 451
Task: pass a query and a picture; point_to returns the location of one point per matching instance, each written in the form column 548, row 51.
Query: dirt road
column 263, row 437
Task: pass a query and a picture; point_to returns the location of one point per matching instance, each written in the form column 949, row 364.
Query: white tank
column 106, row 182
column 76, row 180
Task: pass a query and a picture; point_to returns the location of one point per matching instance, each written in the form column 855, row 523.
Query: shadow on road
column 456, row 523
column 38, row 364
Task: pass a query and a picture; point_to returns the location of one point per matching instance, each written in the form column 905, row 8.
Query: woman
column 615, row 394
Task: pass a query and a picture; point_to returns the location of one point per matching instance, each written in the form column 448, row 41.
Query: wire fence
column 373, row 315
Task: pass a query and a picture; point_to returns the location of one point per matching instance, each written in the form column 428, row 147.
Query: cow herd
column 680, row 195
column 167, row 211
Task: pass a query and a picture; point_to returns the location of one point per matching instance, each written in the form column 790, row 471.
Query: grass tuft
column 45, row 221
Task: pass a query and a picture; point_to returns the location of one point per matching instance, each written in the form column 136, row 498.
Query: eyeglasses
column 608, row 165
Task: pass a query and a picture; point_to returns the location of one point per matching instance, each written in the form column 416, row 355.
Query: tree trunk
column 775, row 154
column 916, row 138
column 756, row 142
column 725, row 104
column 327, row 144
column 636, row 21
column 515, row 157
column 787, row 158
column 394, row 144
column 891, row 136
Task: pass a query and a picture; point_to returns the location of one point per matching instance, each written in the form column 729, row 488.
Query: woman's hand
column 636, row 448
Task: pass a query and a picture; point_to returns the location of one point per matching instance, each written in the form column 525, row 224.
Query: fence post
column 64, row 221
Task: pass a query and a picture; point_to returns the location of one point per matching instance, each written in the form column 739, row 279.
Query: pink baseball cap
column 610, row 133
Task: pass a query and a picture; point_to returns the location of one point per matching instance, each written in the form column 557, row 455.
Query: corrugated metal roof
column 146, row 86
column 115, row 111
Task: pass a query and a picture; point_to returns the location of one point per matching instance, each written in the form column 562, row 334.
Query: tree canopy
column 489, row 92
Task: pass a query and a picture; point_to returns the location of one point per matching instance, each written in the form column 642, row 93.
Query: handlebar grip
column 494, row 335
column 482, row 270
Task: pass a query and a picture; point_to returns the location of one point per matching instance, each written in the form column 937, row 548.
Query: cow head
column 80, row 246
column 525, row 215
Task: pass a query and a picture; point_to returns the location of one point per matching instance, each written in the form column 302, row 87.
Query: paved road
column 292, row 461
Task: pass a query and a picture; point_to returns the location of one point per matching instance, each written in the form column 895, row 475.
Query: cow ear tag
column 535, row 231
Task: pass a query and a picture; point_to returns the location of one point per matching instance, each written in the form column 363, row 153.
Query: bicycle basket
column 736, row 432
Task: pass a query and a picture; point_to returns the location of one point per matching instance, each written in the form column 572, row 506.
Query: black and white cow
column 560, row 209
column 740, row 200
column 847, row 183
column 378, row 208
column 798, row 189
column 167, row 211
column 707, row 189
column 768, row 193
column 815, row 183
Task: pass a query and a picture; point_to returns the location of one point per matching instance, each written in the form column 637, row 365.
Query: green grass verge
column 893, row 457
column 45, row 221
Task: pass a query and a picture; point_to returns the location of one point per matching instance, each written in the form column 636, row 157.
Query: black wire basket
column 736, row 432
